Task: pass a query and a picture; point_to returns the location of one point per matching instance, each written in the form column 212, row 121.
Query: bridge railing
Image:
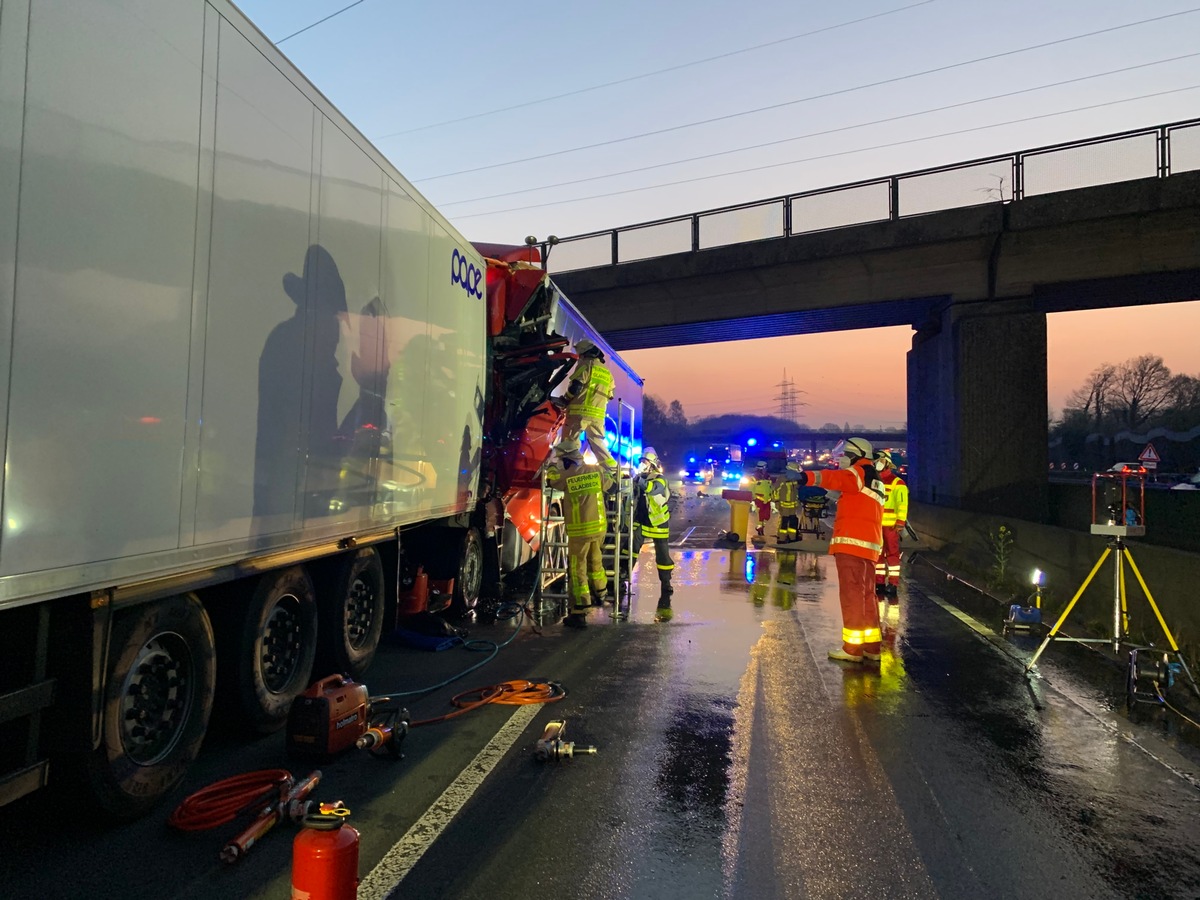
column 1158, row 151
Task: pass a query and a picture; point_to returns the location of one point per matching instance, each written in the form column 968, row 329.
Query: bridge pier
column 977, row 411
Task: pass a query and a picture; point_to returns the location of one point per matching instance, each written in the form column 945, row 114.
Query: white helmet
column 854, row 449
column 650, row 459
column 583, row 347
column 883, row 460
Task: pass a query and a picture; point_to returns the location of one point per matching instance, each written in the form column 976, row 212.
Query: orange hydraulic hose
column 506, row 692
column 222, row 801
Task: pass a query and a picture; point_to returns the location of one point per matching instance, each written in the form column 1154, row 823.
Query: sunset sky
column 578, row 117
column 744, row 376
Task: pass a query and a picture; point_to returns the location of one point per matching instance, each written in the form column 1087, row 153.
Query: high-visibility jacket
column 652, row 512
column 763, row 490
column 857, row 527
column 591, row 389
column 583, row 506
column 787, row 497
column 895, row 508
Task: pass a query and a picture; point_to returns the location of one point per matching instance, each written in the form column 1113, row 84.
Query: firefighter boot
column 892, row 591
column 880, row 589
column 663, row 613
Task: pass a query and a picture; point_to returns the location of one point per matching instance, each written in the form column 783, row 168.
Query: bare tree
column 1093, row 398
column 1142, row 390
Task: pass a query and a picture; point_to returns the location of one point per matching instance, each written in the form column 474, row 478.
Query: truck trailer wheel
column 351, row 613
column 157, row 701
column 275, row 648
column 468, row 580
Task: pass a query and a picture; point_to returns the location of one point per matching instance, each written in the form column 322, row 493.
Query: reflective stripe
column 651, row 531
column 864, row 636
column 662, row 568
column 593, row 399
column 855, row 542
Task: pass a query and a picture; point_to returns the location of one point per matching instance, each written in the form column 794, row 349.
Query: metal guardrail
column 1159, row 151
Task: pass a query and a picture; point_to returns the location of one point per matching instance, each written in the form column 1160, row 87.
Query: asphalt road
column 734, row 760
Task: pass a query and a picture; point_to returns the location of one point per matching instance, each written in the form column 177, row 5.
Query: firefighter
column 587, row 399
column 652, row 520
column 787, row 501
column 895, row 514
column 855, row 545
column 763, row 490
column 583, row 511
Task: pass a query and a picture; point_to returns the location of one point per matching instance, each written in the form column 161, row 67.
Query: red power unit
column 328, row 717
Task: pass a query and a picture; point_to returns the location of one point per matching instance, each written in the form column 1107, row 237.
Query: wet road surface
column 734, row 760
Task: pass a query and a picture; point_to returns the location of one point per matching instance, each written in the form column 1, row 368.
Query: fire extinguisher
column 325, row 858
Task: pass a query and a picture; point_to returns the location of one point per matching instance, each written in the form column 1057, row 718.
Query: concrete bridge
column 975, row 282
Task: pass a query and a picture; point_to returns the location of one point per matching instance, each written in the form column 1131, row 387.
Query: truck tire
column 275, row 648
column 468, row 579
column 351, row 613
column 157, row 700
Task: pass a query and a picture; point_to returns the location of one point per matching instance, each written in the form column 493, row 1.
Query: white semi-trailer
column 246, row 371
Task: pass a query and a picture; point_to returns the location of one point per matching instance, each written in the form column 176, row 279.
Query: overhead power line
column 644, row 75
column 318, row 22
column 850, row 152
column 824, row 133
column 811, row 97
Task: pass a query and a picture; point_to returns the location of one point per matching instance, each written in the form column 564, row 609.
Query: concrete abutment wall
column 977, row 413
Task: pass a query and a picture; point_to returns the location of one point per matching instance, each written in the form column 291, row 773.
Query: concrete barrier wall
column 1172, row 517
column 1067, row 556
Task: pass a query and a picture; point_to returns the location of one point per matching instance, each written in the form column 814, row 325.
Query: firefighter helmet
column 883, row 460
column 650, row 459
column 583, row 347
column 857, row 448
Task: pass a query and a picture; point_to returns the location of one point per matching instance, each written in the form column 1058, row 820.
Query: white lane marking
column 404, row 854
column 686, row 535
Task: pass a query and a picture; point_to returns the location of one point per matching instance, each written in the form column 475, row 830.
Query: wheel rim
column 472, row 571
column 282, row 641
column 156, row 699
column 360, row 613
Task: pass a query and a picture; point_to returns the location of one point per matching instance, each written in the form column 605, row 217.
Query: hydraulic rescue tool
column 387, row 728
column 290, row 803
column 336, row 713
column 552, row 746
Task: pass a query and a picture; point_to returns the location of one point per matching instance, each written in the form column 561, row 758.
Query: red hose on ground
column 222, row 801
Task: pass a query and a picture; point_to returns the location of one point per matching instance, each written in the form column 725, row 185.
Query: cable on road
column 1163, row 700
column 507, row 693
column 225, row 800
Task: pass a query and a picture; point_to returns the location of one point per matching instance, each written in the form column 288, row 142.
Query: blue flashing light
column 691, row 459
column 752, row 442
column 751, row 563
column 776, row 444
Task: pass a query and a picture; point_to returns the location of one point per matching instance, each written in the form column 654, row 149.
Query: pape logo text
column 465, row 273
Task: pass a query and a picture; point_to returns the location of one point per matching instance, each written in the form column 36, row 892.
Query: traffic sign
column 1149, row 457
